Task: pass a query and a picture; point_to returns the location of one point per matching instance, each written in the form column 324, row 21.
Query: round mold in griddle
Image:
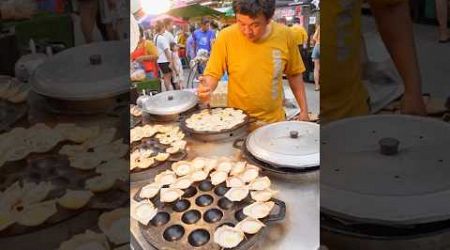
column 239, row 215
column 205, row 185
column 213, row 215
column 204, row 200
column 221, row 190
column 191, row 217
column 225, row 203
column 160, row 219
column 52, row 171
column 173, row 233
column 181, row 205
column 189, row 192
column 60, row 181
column 35, row 176
column 2, row 179
column 199, row 237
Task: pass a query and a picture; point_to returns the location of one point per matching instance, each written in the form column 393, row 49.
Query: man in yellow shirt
column 342, row 92
column 255, row 52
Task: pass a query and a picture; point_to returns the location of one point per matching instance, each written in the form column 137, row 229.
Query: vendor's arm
column 395, row 27
column 215, row 69
column 294, row 70
column 298, row 88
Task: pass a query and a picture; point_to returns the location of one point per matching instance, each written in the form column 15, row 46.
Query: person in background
column 165, row 61
column 177, row 73
column 88, row 13
column 182, row 36
column 190, row 49
column 316, row 58
column 204, row 36
column 112, row 13
column 214, row 28
column 300, row 34
column 203, row 39
column 442, row 17
column 256, row 40
column 146, row 54
column 168, row 31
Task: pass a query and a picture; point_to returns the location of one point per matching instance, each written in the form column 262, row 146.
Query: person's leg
column 88, row 11
column 315, row 57
column 442, row 16
column 316, row 74
column 111, row 33
column 167, row 81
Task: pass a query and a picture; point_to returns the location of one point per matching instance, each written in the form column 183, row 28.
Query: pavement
column 434, row 58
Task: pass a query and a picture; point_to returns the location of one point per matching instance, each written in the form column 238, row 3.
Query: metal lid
column 170, row 102
column 386, row 169
column 87, row 72
column 289, row 144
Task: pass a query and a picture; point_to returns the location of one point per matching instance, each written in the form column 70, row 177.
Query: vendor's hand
column 412, row 104
column 304, row 116
column 203, row 91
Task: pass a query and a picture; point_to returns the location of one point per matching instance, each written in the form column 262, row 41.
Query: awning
column 227, row 11
column 194, row 10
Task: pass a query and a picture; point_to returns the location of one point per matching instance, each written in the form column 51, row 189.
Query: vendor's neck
column 267, row 33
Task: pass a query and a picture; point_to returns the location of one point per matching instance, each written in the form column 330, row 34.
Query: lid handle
column 293, row 134
column 389, row 146
column 95, row 59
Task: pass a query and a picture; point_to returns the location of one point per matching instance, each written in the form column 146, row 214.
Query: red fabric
column 149, row 66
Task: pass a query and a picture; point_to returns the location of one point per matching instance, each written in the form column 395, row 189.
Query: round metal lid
column 392, row 169
column 291, row 144
column 87, row 72
column 170, row 102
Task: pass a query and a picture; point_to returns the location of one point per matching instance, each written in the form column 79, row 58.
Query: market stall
column 217, row 169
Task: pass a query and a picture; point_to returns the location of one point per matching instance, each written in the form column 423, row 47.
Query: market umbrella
column 194, row 10
column 176, row 20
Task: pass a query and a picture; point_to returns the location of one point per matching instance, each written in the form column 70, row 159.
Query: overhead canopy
column 175, row 20
column 227, row 11
column 193, row 10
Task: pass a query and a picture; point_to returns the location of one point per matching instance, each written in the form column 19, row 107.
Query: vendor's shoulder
column 281, row 27
column 230, row 31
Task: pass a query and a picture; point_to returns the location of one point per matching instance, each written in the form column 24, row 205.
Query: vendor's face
column 252, row 28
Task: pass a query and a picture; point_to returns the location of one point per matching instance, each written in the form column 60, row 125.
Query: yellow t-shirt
column 151, row 48
column 342, row 92
column 299, row 34
column 182, row 39
column 255, row 69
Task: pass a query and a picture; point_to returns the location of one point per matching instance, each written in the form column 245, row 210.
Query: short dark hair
column 167, row 22
column 214, row 25
column 205, row 20
column 192, row 29
column 159, row 26
column 253, row 8
column 172, row 45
